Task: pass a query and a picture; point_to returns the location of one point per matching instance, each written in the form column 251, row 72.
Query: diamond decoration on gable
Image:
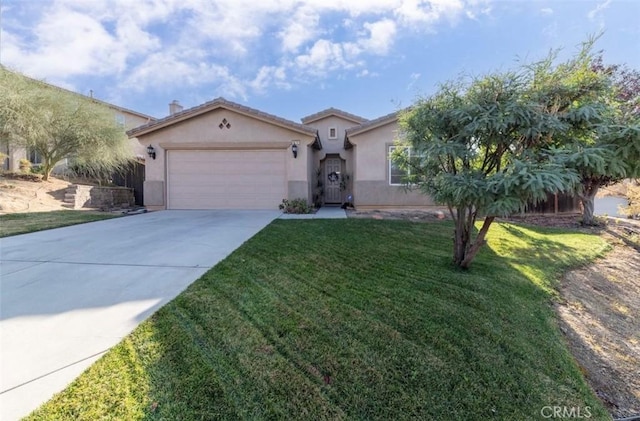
column 224, row 124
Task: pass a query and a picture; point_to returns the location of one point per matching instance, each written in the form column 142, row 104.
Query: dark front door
column 332, row 171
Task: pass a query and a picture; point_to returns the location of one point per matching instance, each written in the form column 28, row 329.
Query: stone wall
column 79, row 196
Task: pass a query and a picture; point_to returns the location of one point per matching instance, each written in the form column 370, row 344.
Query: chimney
column 174, row 107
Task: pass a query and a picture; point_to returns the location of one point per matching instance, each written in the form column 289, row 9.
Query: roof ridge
column 220, row 101
column 332, row 110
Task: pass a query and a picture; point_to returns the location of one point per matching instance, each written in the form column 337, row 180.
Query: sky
column 293, row 58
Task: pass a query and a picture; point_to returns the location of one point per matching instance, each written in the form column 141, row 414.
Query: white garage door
column 225, row 179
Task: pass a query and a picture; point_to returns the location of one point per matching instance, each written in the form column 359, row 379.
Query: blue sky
column 296, row 57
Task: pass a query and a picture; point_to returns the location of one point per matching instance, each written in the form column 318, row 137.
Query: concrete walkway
column 70, row 294
column 326, row 212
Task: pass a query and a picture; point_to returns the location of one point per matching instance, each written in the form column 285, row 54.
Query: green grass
column 22, row 223
column 351, row 319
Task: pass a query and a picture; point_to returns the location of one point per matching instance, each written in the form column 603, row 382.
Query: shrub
column 25, row 165
column 37, row 169
column 298, row 205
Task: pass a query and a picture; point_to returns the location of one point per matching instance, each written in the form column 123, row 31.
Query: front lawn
column 22, row 223
column 351, row 319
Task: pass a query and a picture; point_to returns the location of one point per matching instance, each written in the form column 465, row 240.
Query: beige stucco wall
column 15, row 155
column 245, row 132
column 371, row 186
column 333, row 146
column 132, row 121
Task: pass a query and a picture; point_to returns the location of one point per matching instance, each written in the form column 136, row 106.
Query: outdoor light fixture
column 151, row 151
column 294, row 148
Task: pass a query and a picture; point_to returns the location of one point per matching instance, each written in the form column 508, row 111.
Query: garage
column 223, row 155
column 226, row 179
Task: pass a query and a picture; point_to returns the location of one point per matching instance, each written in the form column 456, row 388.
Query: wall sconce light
column 151, row 151
column 294, row 148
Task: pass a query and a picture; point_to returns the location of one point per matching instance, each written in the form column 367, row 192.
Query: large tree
column 58, row 125
column 607, row 151
column 485, row 148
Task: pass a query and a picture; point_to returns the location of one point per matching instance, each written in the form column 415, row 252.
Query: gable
column 348, row 118
column 216, row 104
column 222, row 125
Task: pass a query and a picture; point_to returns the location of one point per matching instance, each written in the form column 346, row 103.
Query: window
column 34, row 157
column 333, row 133
column 396, row 174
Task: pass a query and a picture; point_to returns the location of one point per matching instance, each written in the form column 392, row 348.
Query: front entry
column 332, row 171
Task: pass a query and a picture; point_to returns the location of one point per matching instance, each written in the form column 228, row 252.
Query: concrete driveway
column 69, row 294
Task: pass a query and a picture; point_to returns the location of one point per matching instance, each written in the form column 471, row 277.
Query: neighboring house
column 128, row 119
column 223, row 155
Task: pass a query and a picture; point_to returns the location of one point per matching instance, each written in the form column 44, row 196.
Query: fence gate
column 132, row 177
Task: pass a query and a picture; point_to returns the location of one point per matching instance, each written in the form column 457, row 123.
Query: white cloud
column 598, row 10
column 326, row 56
column 546, row 11
column 160, row 44
column 381, row 36
column 168, row 69
column 268, row 76
column 67, row 42
column 417, row 12
column 302, row 28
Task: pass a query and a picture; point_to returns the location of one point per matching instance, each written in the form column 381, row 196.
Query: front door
column 332, row 171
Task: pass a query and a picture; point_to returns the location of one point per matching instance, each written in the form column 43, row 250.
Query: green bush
column 37, row 169
column 298, row 205
column 25, row 165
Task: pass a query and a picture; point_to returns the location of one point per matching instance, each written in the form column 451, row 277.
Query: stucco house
column 223, row 155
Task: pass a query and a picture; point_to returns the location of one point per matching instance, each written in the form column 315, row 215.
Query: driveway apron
column 68, row 295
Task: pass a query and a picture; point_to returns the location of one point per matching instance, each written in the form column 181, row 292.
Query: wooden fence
column 556, row 203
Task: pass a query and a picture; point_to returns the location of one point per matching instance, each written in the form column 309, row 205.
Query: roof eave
column 333, row 112
column 214, row 105
column 373, row 124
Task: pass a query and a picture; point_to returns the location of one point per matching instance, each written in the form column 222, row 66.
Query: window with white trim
column 397, row 175
column 333, row 132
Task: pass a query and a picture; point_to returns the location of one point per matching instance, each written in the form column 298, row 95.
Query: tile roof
column 332, row 111
column 220, row 103
column 372, row 124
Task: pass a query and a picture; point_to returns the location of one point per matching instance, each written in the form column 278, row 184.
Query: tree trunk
column 588, row 204
column 46, row 169
column 464, row 249
column 460, row 244
column 461, row 236
column 478, row 243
